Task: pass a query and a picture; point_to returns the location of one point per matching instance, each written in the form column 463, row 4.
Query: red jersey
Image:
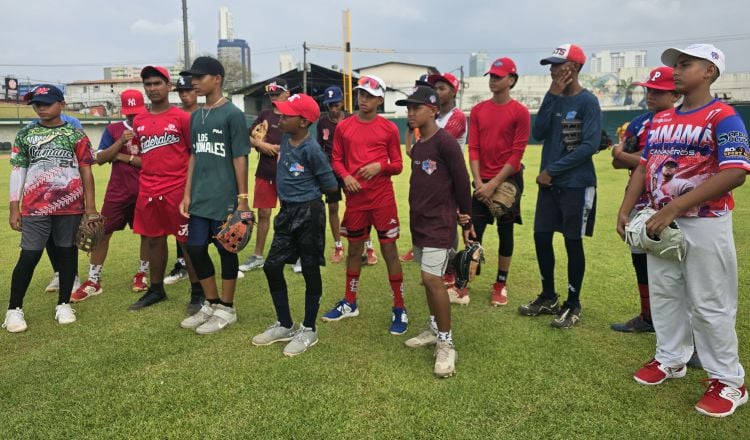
column 123, row 181
column 164, row 143
column 684, row 149
column 498, row 134
column 356, row 144
column 454, row 123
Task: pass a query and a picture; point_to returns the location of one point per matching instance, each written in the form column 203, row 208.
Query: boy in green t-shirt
column 216, row 186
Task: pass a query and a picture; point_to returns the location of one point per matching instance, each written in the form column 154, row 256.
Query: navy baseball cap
column 44, row 94
column 422, row 95
column 333, row 94
column 205, row 66
column 185, row 82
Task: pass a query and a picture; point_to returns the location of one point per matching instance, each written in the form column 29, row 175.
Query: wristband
column 242, row 196
column 131, row 159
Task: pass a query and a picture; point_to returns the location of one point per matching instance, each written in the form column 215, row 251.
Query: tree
column 236, row 75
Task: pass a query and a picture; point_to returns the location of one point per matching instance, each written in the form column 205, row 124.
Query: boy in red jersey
column 694, row 300
column 498, row 133
column 366, row 153
column 163, row 136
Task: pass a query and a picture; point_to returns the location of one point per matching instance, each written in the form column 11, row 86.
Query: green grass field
column 119, row 374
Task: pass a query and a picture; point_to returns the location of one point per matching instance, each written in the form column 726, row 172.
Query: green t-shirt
column 219, row 135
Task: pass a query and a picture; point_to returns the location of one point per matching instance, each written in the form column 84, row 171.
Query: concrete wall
column 8, row 130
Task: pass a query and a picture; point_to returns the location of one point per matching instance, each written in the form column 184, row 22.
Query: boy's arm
column 391, row 167
column 635, row 188
column 185, row 203
column 240, row 146
column 591, row 127
column 87, row 179
column 543, row 120
column 240, row 173
column 109, row 148
column 17, row 181
column 337, row 162
column 322, row 171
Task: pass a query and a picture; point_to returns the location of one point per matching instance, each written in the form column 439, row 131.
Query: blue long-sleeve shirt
column 569, row 169
column 303, row 172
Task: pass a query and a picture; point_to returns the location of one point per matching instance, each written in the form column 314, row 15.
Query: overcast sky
column 65, row 41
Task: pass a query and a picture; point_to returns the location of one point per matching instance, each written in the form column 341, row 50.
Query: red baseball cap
column 132, row 102
column 661, row 78
column 448, row 78
column 502, row 67
column 158, row 70
column 565, row 52
column 299, row 104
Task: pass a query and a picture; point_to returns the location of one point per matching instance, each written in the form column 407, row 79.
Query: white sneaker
column 54, row 283
column 297, row 268
column 64, row 314
column 252, row 262
column 14, row 321
column 445, row 359
column 426, row 338
column 199, row 318
column 76, row 284
column 240, row 274
column 223, row 317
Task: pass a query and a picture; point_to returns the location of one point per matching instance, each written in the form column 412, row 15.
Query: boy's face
column 419, row 115
column 659, row 100
column 188, row 97
column 691, row 72
column 335, row 108
column 291, row 124
column 203, row 85
column 156, row 88
column 499, row 84
column 445, row 93
column 48, row 112
column 368, row 103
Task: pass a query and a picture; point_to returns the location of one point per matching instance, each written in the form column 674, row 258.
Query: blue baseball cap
column 333, row 94
column 44, row 94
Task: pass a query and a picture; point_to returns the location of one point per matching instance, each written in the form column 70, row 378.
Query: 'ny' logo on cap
column 131, row 102
column 41, row 91
column 294, row 98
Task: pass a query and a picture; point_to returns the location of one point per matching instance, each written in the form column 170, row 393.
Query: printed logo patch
column 571, row 115
column 296, row 169
column 429, row 166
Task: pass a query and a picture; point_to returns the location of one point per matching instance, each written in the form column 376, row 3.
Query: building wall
column 396, row 75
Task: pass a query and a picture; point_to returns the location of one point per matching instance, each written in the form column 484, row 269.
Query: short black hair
column 515, row 79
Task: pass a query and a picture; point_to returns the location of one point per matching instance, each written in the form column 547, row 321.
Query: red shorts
column 158, row 216
column 118, row 214
column 355, row 225
column 264, row 196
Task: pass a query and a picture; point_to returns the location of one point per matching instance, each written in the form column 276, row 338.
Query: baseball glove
column 90, row 232
column 236, row 231
column 260, row 131
column 468, row 264
column 503, row 199
column 670, row 244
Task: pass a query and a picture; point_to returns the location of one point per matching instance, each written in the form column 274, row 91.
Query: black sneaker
column 149, row 298
column 635, row 325
column 540, row 306
column 567, row 317
column 196, row 302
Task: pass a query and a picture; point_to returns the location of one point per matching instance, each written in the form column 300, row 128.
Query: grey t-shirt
column 302, row 172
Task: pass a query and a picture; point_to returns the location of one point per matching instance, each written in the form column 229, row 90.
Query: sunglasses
column 372, row 83
column 274, row 88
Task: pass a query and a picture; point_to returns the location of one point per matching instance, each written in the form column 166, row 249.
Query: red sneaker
column 498, row 295
column 86, row 290
column 372, row 258
column 409, row 256
column 140, row 282
column 654, row 373
column 338, row 254
column 720, row 399
column 449, row 279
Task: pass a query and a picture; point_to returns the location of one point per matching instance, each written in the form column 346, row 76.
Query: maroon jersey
column 439, row 186
column 325, row 130
column 123, row 181
column 267, row 164
column 164, row 142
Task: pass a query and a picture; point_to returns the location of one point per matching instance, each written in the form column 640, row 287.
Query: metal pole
column 348, row 61
column 185, row 42
column 461, row 94
column 304, row 67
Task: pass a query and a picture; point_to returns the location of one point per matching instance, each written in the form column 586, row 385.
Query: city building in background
column 478, row 63
column 611, row 62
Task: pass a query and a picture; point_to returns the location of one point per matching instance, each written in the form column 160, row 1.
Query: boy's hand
column 561, row 80
column 622, row 221
column 663, row 218
column 351, row 184
column 463, row 219
column 544, row 179
column 127, row 135
column 185, row 205
column 485, row 191
column 15, row 217
column 242, row 205
column 370, row 170
column 469, row 235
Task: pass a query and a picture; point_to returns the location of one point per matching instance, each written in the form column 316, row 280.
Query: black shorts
column 336, row 196
column 299, row 232
column 571, row 211
column 481, row 212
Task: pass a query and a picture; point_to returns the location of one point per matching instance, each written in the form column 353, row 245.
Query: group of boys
column 690, row 303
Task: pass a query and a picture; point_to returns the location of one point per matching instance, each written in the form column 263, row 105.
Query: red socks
column 397, row 286
column 352, row 286
column 645, row 302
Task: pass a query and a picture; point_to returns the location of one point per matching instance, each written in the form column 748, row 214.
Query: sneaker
column 201, row 316
column 635, row 325
column 14, row 321
column 540, row 306
column 148, row 299
column 240, row 274
column 341, row 310
column 76, row 284
column 695, row 361
column 223, row 317
column 196, row 303
column 449, row 279
column 425, row 339
column 140, row 282
column 338, row 254
column 372, row 257
column 567, row 317
column 64, row 314
column 274, row 333
column 87, row 289
column 409, row 256
column 720, row 399
column 302, row 340
column 445, row 359
column 252, row 262
column 177, row 274
column 459, row 296
column 54, row 283
column 654, row 373
column 498, row 295
column 399, row 321
column 297, row 268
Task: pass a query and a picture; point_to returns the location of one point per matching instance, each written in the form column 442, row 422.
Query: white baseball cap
column 372, row 85
column 707, row 52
